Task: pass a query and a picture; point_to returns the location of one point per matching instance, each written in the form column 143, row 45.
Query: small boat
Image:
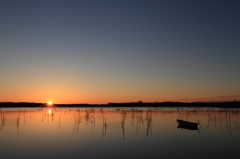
column 187, row 125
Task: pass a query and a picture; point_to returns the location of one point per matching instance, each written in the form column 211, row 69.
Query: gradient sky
column 92, row 51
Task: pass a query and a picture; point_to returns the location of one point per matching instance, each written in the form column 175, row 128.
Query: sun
column 50, row 103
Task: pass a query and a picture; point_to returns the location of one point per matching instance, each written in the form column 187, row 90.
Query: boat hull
column 187, row 125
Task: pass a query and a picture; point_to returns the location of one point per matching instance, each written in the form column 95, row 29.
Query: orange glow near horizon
column 113, row 97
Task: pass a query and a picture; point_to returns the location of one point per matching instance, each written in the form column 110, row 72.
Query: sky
column 96, row 52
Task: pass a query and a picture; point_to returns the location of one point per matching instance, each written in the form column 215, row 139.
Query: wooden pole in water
column 215, row 121
column 227, row 121
column 3, row 119
column 199, row 123
column 221, row 121
column 230, row 125
column 200, row 127
column 24, row 118
column 105, row 126
column 59, row 122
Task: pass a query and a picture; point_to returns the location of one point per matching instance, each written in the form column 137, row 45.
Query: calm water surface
column 118, row 133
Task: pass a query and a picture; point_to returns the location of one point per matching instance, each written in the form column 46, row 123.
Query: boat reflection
column 188, row 127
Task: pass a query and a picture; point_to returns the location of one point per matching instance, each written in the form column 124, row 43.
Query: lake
column 53, row 132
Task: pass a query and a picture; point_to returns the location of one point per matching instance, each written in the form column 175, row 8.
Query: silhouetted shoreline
column 234, row 104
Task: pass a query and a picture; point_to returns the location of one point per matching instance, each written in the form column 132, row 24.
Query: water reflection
column 118, row 118
column 117, row 127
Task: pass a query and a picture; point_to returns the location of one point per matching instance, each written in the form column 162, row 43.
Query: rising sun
column 50, row 103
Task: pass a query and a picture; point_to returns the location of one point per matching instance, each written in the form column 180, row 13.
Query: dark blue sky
column 103, row 51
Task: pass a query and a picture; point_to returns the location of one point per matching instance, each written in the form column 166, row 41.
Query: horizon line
column 138, row 102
